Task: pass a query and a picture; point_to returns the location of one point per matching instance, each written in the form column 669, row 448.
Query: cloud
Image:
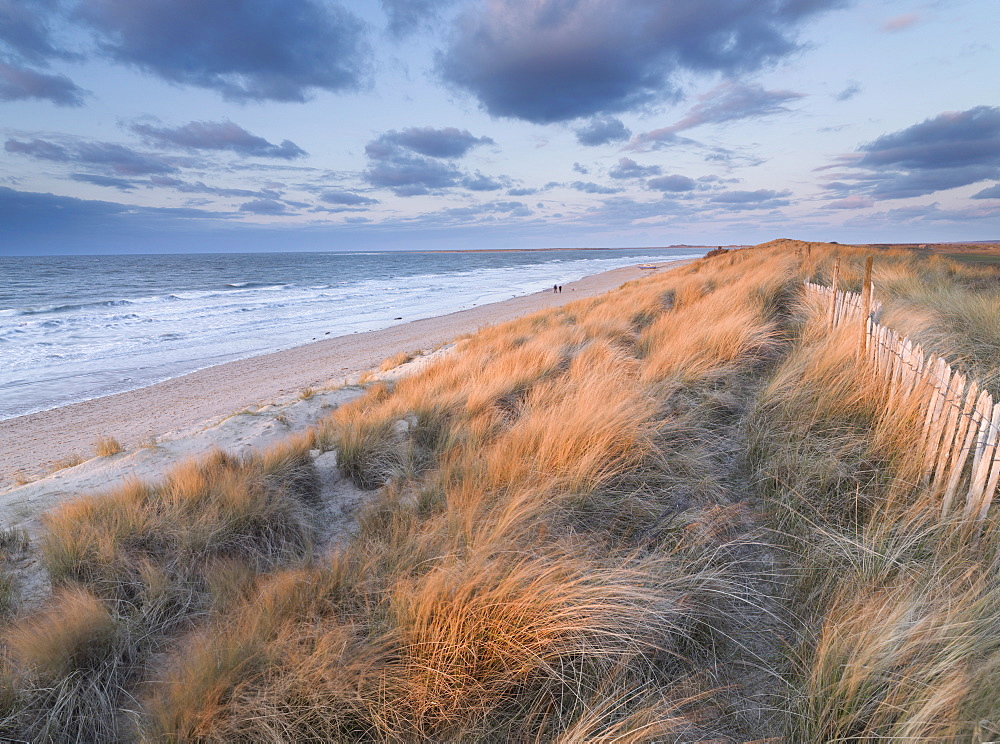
column 411, row 175
column 509, row 208
column 992, row 192
column 347, row 198
column 480, row 182
column 759, row 199
column 733, row 101
column 620, row 210
column 555, row 60
column 602, row 131
column 264, row 206
column 25, row 31
column 25, row 217
column 412, row 162
column 407, row 16
column 852, row 89
column 19, row 83
column 589, row 187
column 217, row 135
column 245, row 50
column 115, row 183
column 117, row 159
column 726, row 102
column 947, row 151
column 855, row 201
column 657, row 139
column 674, row 183
column 521, row 192
column 198, row 187
column 435, row 143
column 900, row 22
column 628, row 168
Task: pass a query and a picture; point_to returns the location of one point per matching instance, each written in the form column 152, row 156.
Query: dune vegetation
column 683, row 511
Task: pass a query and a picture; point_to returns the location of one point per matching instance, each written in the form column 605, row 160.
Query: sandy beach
column 30, row 445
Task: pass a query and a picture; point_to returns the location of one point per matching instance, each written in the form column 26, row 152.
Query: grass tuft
column 107, row 446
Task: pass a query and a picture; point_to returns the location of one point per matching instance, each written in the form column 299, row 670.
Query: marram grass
column 682, row 511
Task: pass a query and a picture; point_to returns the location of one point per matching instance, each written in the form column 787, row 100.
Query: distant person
column 555, row 288
column 560, row 289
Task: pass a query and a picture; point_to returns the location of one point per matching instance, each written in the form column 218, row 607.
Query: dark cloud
column 38, row 148
column 435, row 143
column 407, row 16
column 244, row 49
column 673, row 183
column 481, row 182
column 18, row 83
column 555, row 60
column 992, row 192
column 759, row 199
column 109, row 181
column 218, row 135
column 589, row 187
column 412, row 162
column 264, row 206
column 347, row 199
column 602, row 131
column 117, row 159
column 628, row 168
column 852, row 89
column 33, row 221
column 949, row 140
column 950, row 150
column 24, row 30
column 198, row 187
column 411, row 175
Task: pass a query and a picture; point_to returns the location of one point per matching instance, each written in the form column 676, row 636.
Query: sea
column 73, row 328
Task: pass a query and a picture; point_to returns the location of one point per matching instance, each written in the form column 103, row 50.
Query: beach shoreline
column 31, row 445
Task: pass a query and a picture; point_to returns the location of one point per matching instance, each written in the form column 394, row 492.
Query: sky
column 132, row 126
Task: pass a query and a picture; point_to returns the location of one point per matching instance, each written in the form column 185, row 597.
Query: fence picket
column 953, row 401
column 991, row 486
column 986, row 442
column 938, row 417
column 968, row 424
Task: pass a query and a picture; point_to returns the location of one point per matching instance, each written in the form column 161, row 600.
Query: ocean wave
column 49, row 309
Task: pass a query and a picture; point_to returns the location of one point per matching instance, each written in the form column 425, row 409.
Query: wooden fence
column 959, row 433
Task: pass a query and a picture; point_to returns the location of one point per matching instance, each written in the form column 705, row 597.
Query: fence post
column 866, row 303
column 833, row 298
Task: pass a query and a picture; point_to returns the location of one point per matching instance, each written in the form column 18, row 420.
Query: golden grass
column 220, row 506
column 898, row 609
column 70, row 461
column 557, row 549
column 107, row 446
column 471, row 605
column 395, row 360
